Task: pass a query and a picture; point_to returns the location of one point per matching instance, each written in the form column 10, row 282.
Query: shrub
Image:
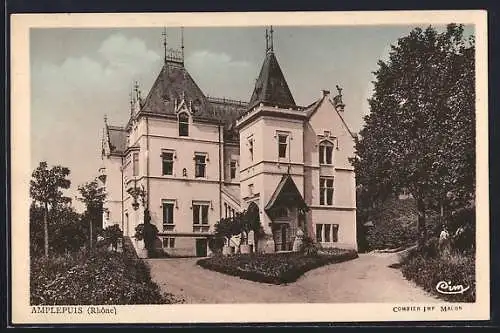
column 273, row 268
column 309, row 247
column 427, row 271
column 112, row 234
column 216, row 244
column 99, row 278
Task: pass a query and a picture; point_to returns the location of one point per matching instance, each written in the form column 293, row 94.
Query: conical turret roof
column 271, row 87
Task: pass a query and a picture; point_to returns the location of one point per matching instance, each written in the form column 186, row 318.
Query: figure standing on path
column 444, row 240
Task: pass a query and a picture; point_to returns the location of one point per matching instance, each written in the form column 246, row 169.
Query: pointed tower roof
column 271, row 87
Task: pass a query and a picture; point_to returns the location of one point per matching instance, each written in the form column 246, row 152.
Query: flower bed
column 102, row 278
column 456, row 269
column 275, row 268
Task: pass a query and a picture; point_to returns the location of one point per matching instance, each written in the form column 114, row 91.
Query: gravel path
column 365, row 279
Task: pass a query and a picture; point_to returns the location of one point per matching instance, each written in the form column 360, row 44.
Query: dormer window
column 325, row 152
column 183, row 124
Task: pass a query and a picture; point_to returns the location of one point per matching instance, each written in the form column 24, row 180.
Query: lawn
column 276, row 268
column 101, row 277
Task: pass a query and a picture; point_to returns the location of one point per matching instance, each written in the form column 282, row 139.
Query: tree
column 226, row 228
column 112, row 234
column 46, row 190
column 420, row 132
column 92, row 195
column 252, row 223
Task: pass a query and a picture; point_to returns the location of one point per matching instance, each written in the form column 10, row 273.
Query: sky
column 80, row 75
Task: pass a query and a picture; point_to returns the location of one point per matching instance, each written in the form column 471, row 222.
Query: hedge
column 428, row 271
column 89, row 279
column 274, row 268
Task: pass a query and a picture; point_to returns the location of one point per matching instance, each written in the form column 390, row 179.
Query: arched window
column 183, row 124
column 325, row 152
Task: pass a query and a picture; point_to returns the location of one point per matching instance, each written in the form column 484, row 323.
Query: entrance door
column 201, row 247
column 283, row 238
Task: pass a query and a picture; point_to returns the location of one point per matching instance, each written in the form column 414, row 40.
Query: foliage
column 393, row 225
column 309, row 247
column 147, row 232
column 456, row 268
column 112, row 234
column 46, row 190
column 420, row 133
column 227, row 227
column 464, row 240
column 69, row 232
column 275, row 268
column 216, row 243
column 150, row 232
column 46, row 185
column 84, row 279
column 240, row 224
column 92, row 195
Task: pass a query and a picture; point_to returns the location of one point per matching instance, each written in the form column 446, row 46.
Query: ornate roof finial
column 337, row 100
column 339, row 89
column 137, row 91
column 271, row 47
column 182, row 43
column 106, row 120
column 164, row 35
column 267, row 41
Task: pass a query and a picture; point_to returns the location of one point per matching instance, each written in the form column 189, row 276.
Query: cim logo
column 446, row 287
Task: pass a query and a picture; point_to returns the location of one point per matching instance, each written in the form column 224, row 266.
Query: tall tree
column 92, row 195
column 420, row 132
column 46, row 190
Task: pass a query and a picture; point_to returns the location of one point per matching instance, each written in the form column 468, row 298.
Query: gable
column 324, row 117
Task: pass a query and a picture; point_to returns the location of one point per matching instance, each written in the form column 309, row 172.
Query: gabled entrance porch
column 286, row 208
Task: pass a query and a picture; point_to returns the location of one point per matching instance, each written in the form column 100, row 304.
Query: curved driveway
column 365, row 279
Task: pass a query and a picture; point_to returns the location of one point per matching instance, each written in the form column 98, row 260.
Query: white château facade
column 198, row 158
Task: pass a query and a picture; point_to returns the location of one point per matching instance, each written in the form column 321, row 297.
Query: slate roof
column 117, row 139
column 174, row 83
column 286, row 194
column 271, row 87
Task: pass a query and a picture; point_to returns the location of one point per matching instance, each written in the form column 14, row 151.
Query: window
column 328, row 228
column 200, row 214
column 135, row 164
column 232, row 167
column 319, row 233
column 167, row 163
column 183, row 124
column 169, row 242
column 327, row 233
column 326, row 191
column 168, row 216
column 250, row 148
column 281, row 212
column 200, row 163
column 282, row 145
column 335, row 232
column 325, row 152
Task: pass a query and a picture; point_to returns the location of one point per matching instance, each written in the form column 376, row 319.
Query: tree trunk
column 421, row 229
column 90, row 221
column 46, row 229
